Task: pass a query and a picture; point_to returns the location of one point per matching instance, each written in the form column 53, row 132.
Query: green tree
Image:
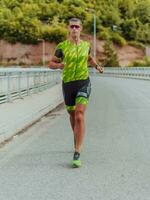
column 110, row 16
column 126, row 8
column 143, row 33
column 129, row 28
column 54, row 34
column 142, row 11
column 25, row 20
column 111, row 59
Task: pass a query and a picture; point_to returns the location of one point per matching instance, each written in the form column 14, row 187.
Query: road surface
column 115, row 157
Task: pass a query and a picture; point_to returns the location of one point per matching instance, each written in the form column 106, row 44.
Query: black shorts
column 74, row 90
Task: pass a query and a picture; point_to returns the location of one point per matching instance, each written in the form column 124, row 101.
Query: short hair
column 75, row 20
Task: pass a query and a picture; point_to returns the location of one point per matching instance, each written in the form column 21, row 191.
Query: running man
column 73, row 56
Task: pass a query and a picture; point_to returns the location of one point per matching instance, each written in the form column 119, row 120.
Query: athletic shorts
column 76, row 92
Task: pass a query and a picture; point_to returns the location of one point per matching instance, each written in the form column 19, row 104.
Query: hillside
column 118, row 20
column 24, row 22
column 22, row 54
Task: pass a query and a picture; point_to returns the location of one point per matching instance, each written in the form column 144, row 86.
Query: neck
column 75, row 39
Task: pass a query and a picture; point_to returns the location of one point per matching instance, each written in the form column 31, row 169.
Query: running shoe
column 76, row 162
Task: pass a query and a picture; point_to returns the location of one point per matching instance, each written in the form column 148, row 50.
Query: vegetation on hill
column 117, row 20
column 111, row 58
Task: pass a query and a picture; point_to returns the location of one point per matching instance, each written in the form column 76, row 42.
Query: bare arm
column 54, row 63
column 93, row 63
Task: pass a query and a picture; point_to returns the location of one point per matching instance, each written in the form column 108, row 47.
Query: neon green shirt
column 75, row 58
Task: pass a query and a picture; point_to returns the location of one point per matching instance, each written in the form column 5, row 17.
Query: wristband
column 96, row 66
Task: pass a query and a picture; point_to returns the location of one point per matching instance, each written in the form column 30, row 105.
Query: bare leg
column 72, row 119
column 72, row 122
column 79, row 126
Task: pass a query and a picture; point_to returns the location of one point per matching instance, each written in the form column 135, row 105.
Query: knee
column 79, row 116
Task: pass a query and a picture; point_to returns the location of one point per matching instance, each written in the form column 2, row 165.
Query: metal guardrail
column 128, row 72
column 18, row 82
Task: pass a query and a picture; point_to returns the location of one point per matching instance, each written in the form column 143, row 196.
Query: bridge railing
column 134, row 72
column 19, row 82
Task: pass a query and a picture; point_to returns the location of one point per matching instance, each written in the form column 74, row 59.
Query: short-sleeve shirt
column 75, row 58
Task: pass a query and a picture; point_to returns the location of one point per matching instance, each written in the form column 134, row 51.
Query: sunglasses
column 74, row 26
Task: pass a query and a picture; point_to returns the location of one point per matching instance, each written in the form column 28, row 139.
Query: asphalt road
column 115, row 157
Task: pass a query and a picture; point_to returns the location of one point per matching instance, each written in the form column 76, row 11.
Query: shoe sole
column 74, row 165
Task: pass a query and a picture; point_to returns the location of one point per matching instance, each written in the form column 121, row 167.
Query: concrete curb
column 19, row 114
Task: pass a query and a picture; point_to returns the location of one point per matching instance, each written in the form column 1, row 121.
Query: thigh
column 69, row 94
column 84, row 90
column 83, row 93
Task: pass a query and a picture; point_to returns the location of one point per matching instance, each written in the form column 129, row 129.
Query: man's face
column 75, row 28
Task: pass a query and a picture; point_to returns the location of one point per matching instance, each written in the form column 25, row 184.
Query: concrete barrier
column 20, row 113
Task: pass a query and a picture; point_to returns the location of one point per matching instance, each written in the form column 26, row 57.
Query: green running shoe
column 76, row 160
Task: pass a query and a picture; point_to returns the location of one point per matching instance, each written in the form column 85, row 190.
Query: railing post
column 34, row 81
column 39, row 82
column 19, row 84
column 28, row 89
column 8, row 87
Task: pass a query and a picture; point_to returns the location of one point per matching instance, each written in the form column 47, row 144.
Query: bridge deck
column 115, row 154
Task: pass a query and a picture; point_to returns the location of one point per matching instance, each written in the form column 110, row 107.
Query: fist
column 61, row 65
column 100, row 69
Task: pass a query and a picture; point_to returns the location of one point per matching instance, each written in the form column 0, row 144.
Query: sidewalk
column 20, row 113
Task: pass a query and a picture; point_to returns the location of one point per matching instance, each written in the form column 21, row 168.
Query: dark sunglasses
column 74, row 26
